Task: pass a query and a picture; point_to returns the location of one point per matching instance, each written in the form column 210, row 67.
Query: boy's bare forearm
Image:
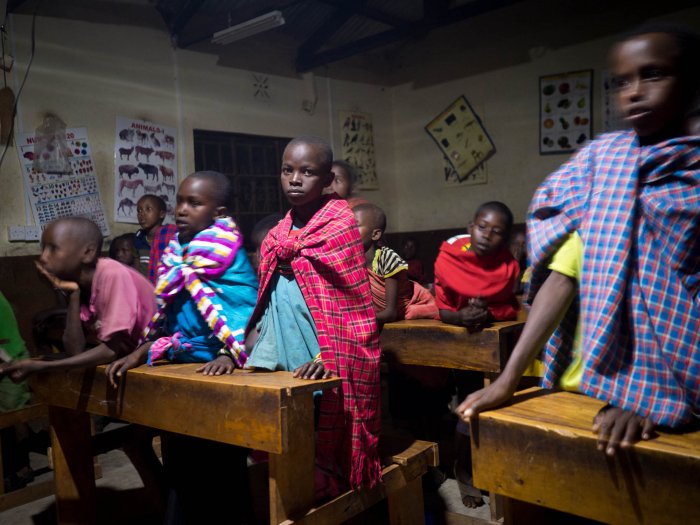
column 391, row 296
column 73, row 336
column 99, row 355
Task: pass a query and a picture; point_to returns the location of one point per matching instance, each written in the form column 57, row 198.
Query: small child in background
column 415, row 265
column 394, row 295
column 344, row 180
column 617, row 228
column 123, row 249
column 258, row 234
column 154, row 236
column 475, row 274
column 315, row 317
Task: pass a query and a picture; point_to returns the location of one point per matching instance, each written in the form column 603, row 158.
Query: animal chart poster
column 358, row 147
column 462, row 138
column 145, row 162
column 55, row 195
column 566, row 116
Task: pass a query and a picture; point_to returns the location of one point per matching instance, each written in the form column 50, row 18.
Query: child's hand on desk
column 67, row 287
column 496, row 394
column 19, row 370
column 473, row 314
column 620, row 428
column 312, row 370
column 223, row 364
column 118, row 368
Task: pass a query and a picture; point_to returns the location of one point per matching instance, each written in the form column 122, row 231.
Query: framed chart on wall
column 566, row 116
column 461, row 137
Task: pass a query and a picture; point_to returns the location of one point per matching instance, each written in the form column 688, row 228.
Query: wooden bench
column 540, row 450
column 401, row 487
column 266, row 411
column 34, row 491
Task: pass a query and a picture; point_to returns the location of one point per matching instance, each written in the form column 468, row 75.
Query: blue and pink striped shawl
column 637, row 210
column 206, row 258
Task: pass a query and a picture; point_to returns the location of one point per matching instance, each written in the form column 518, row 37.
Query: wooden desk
column 266, row 411
column 428, row 342
column 540, row 449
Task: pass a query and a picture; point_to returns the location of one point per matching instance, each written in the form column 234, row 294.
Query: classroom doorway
column 253, row 163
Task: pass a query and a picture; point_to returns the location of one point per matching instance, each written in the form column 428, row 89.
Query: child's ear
column 221, row 211
column 90, row 254
column 161, row 215
column 329, row 178
column 377, row 234
column 470, row 227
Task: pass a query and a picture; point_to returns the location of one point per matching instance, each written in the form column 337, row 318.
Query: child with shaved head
column 109, row 304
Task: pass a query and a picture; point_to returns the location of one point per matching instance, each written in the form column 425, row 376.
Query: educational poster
column 145, row 162
column 357, row 148
column 462, row 138
column 612, row 119
column 566, row 117
column 55, row 195
column 479, row 175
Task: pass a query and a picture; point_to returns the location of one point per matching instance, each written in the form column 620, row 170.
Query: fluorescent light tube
column 249, row 28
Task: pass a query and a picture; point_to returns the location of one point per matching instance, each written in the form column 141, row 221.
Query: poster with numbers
column 145, row 162
column 55, row 195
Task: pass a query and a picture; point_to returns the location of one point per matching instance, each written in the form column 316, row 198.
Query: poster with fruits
column 565, row 111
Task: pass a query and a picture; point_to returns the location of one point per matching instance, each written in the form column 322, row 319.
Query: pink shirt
column 122, row 300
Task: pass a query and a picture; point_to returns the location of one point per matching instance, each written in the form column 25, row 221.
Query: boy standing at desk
column 623, row 219
column 315, row 315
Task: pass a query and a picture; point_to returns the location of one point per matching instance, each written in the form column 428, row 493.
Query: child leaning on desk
column 206, row 291
column 618, row 226
column 314, row 316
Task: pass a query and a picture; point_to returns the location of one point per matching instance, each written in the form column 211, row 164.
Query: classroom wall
column 88, row 74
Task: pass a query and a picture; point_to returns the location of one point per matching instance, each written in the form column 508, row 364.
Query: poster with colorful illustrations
column 357, row 138
column 462, row 138
column 145, row 162
column 55, row 195
column 612, row 119
column 566, row 116
column 479, row 175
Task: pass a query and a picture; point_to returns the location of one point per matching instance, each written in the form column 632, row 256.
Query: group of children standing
column 612, row 241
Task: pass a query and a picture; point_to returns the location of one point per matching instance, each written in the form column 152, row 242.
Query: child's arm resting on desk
column 391, row 295
column 468, row 316
column 103, row 353
column 549, row 306
column 620, row 428
column 222, row 364
column 312, row 370
column 119, row 367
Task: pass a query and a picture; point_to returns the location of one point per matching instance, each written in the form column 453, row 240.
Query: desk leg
column 406, row 505
column 292, row 473
column 74, row 472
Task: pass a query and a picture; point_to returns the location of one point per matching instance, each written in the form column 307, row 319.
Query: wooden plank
column 175, row 398
column 31, row 492
column 540, row 449
column 22, row 415
column 428, row 342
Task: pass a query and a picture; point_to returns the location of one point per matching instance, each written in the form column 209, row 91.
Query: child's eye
column 619, row 82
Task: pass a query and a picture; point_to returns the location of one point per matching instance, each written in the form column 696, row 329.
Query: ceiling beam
column 329, row 27
column 370, row 12
column 478, row 7
column 179, row 20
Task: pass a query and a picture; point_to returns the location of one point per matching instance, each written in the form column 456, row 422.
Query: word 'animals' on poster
column 461, row 137
column 56, row 195
column 357, row 149
column 566, row 118
column 145, row 162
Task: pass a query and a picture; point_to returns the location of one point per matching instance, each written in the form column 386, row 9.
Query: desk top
column 429, row 342
column 251, row 409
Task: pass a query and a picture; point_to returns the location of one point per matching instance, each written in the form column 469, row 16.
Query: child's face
column 125, row 252
column 409, row 249
column 197, row 207
column 149, row 213
column 61, row 253
column 518, row 246
column 488, row 231
column 368, row 233
column 340, row 183
column 304, row 175
column 648, row 83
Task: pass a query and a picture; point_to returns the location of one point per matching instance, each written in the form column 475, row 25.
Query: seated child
column 206, row 292
column 109, row 304
column 344, row 180
column 394, row 295
column 475, row 274
column 315, row 314
column 123, row 249
column 259, row 233
column 415, row 265
column 629, row 201
column 154, row 236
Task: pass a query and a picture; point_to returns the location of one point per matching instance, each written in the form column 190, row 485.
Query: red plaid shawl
column 328, row 263
column 637, row 210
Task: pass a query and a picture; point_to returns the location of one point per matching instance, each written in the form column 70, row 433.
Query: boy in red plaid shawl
column 314, row 316
column 622, row 219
